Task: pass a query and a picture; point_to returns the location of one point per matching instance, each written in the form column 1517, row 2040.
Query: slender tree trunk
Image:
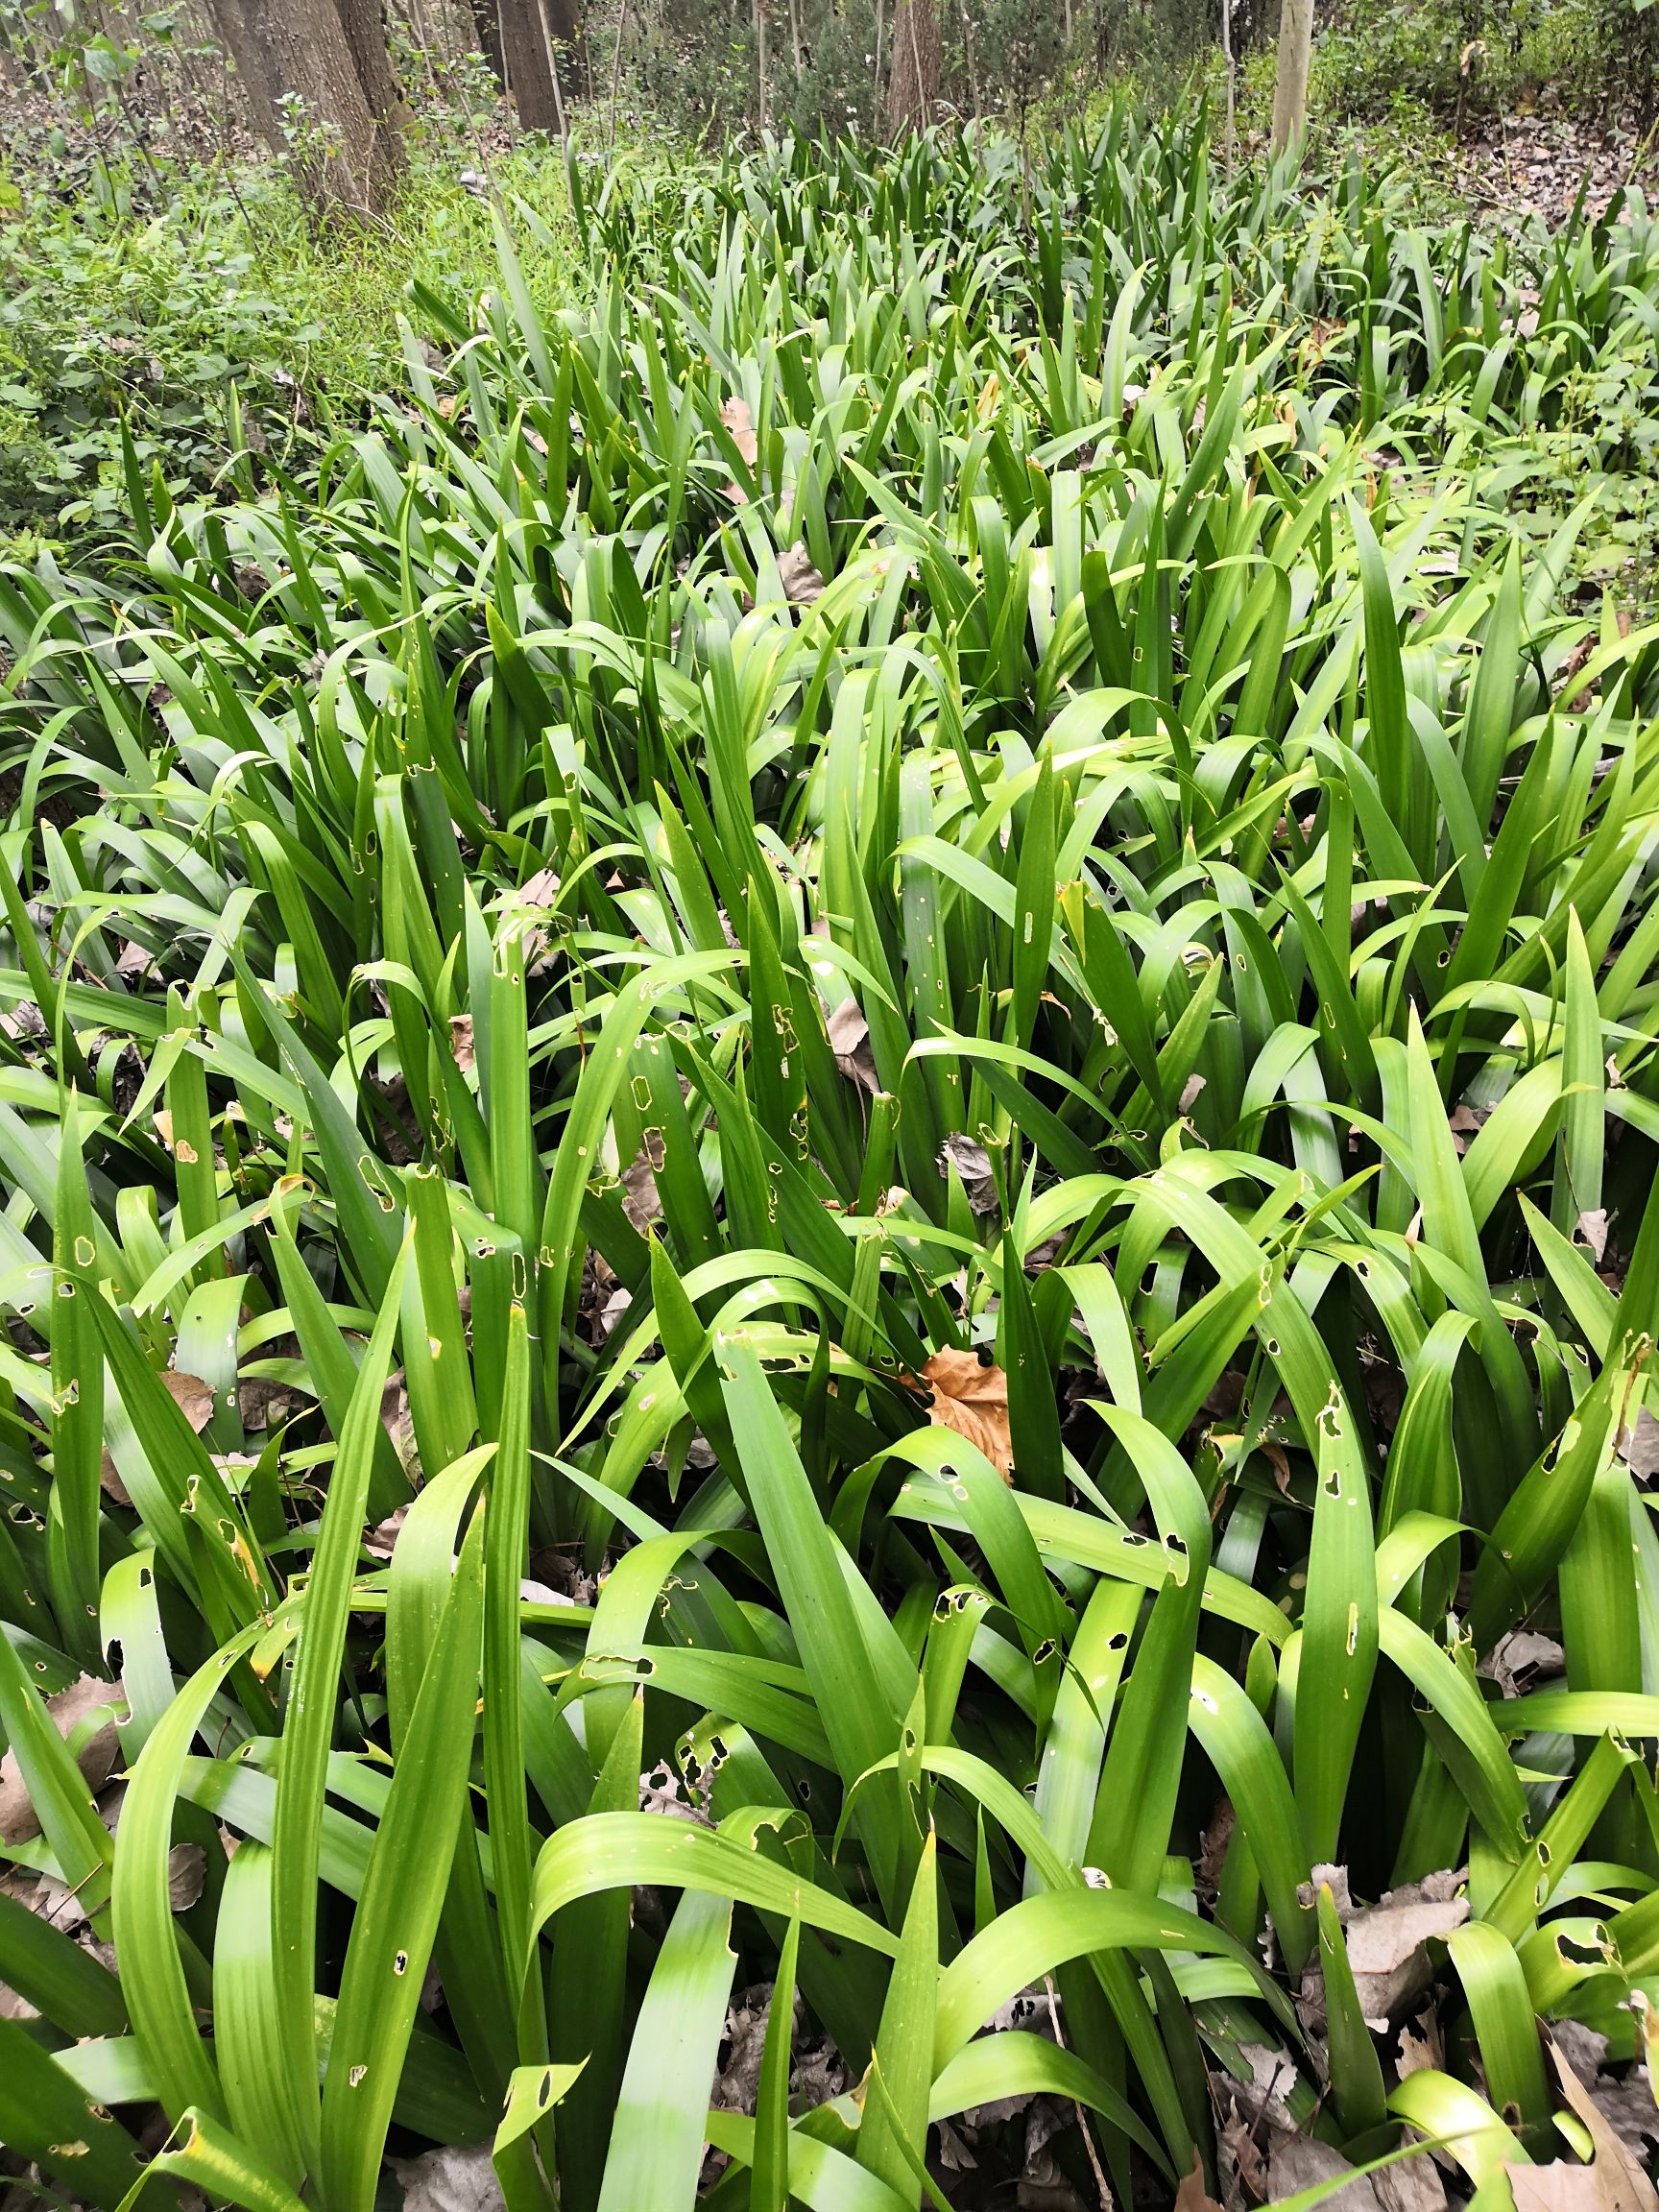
column 1232, row 80
column 365, row 29
column 973, row 64
column 345, row 155
column 913, row 86
column 529, row 29
column 1290, row 87
column 763, row 61
column 486, row 24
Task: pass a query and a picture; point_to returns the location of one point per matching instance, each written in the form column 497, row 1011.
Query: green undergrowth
column 826, row 1134
column 203, row 305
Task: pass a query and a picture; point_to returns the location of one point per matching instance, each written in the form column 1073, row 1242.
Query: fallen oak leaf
column 1387, row 1941
column 801, row 581
column 1301, row 2162
column 1519, row 1659
column 1639, row 1446
column 187, row 1875
column 1626, row 2104
column 542, row 889
column 395, row 1417
column 85, row 1716
column 193, row 1398
column 972, row 1163
column 738, row 421
column 971, row 1399
column 848, row 1035
column 1592, row 1231
column 1193, row 2194
column 736, row 418
column 1621, row 2184
column 455, row 2178
column 1614, row 2182
column 1464, row 1122
column 641, row 1200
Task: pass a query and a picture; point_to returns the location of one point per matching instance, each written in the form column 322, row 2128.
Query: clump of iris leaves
column 827, row 1133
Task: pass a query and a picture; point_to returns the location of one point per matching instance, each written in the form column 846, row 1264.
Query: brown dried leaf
column 193, row 1398
column 736, row 418
column 395, row 1417
column 1464, row 1122
column 1225, row 1395
column 186, row 1874
column 136, row 960
column 1193, row 2194
column 543, row 888
column 1558, row 2187
column 738, row 2084
column 661, row 1789
column 850, row 1041
column 461, row 1041
column 1614, row 2182
column 641, row 1200
column 973, row 1400
column 1238, row 2155
column 1592, row 1230
column 266, row 1403
column 1639, row 1446
column 1299, row 2162
column 86, row 1702
column 1272, row 2078
column 458, row 2177
column 1517, row 1661
column 381, row 1540
column 1420, row 2046
column 972, row 1163
column 1626, row 2104
column 1212, row 1849
column 1386, row 1941
column 801, row 581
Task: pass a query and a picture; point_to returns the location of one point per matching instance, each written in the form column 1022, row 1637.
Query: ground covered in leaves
column 830, row 1275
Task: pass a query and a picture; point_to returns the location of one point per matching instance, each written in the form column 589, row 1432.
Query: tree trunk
column 283, row 50
column 1290, row 87
column 529, row 30
column 488, row 25
column 913, row 85
column 365, row 29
